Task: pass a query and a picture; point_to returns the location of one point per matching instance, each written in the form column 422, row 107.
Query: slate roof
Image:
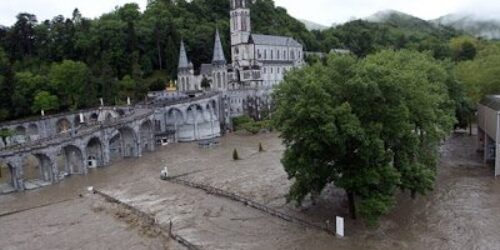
column 218, row 57
column 491, row 101
column 274, row 40
column 183, row 60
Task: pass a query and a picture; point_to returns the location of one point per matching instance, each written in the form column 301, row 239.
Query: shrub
column 235, row 155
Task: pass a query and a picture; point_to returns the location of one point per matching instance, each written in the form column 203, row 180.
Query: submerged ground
column 462, row 213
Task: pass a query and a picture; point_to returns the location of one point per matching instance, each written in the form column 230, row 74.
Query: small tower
column 184, row 71
column 218, row 65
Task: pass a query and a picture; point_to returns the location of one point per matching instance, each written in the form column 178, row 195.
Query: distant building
column 489, row 130
column 258, row 62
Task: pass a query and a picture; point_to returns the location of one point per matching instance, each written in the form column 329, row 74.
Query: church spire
column 218, row 57
column 183, row 61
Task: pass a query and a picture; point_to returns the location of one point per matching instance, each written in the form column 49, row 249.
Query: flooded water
column 463, row 212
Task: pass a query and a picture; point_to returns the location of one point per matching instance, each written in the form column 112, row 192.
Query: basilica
column 258, row 62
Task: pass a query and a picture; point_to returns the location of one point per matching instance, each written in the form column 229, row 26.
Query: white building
column 488, row 123
column 259, row 62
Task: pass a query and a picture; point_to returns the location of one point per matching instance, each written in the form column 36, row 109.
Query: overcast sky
column 324, row 12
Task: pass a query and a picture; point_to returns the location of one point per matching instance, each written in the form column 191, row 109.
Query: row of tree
column 128, row 52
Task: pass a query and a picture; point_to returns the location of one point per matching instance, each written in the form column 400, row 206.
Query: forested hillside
column 70, row 62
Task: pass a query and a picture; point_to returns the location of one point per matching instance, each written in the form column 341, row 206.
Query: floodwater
column 463, row 212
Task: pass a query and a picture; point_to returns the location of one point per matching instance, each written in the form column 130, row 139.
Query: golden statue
column 171, row 87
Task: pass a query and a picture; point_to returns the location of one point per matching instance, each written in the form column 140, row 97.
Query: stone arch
column 208, row 114
column 194, row 114
column 20, row 130
column 7, row 176
column 73, row 160
column 174, row 116
column 93, row 117
column 76, row 120
column 33, row 129
column 95, row 155
column 146, row 135
column 120, row 112
column 115, row 147
column 109, row 117
column 63, row 126
column 123, row 144
column 37, row 168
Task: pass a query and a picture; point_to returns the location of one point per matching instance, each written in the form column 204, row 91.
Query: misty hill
column 477, row 26
column 407, row 22
column 312, row 25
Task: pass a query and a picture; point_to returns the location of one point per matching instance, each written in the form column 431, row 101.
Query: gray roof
column 218, row 57
column 183, row 60
column 274, row 40
column 206, row 69
column 491, row 101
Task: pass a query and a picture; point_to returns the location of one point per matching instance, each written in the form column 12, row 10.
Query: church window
column 243, row 23
column 278, row 54
column 271, row 70
column 265, row 54
column 272, row 54
column 218, row 80
column 278, row 70
column 258, row 54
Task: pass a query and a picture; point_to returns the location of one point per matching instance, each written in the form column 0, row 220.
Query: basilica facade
column 258, row 62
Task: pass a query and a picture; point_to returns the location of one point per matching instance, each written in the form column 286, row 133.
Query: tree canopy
column 369, row 126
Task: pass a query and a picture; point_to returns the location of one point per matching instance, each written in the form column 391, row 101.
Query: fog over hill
column 486, row 26
column 310, row 25
column 481, row 26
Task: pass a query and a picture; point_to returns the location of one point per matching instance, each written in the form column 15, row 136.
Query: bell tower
column 240, row 21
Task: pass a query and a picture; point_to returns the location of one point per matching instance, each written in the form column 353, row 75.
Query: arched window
column 278, row 54
column 218, row 80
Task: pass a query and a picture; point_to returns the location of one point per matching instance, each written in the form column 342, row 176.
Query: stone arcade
column 47, row 149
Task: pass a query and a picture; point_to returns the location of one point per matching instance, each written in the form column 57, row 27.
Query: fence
column 250, row 203
column 150, row 220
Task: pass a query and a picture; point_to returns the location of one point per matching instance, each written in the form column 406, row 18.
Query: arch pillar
column 106, row 156
column 137, row 141
column 17, row 174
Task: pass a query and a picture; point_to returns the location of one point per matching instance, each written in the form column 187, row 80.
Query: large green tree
column 43, row 100
column 71, row 80
column 368, row 126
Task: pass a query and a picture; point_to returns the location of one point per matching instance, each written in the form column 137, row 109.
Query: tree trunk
column 470, row 125
column 352, row 205
column 159, row 53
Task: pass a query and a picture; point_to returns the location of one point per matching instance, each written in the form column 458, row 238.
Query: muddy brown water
column 463, row 212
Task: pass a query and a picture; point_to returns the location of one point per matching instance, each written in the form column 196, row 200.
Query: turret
column 183, row 60
column 218, row 58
